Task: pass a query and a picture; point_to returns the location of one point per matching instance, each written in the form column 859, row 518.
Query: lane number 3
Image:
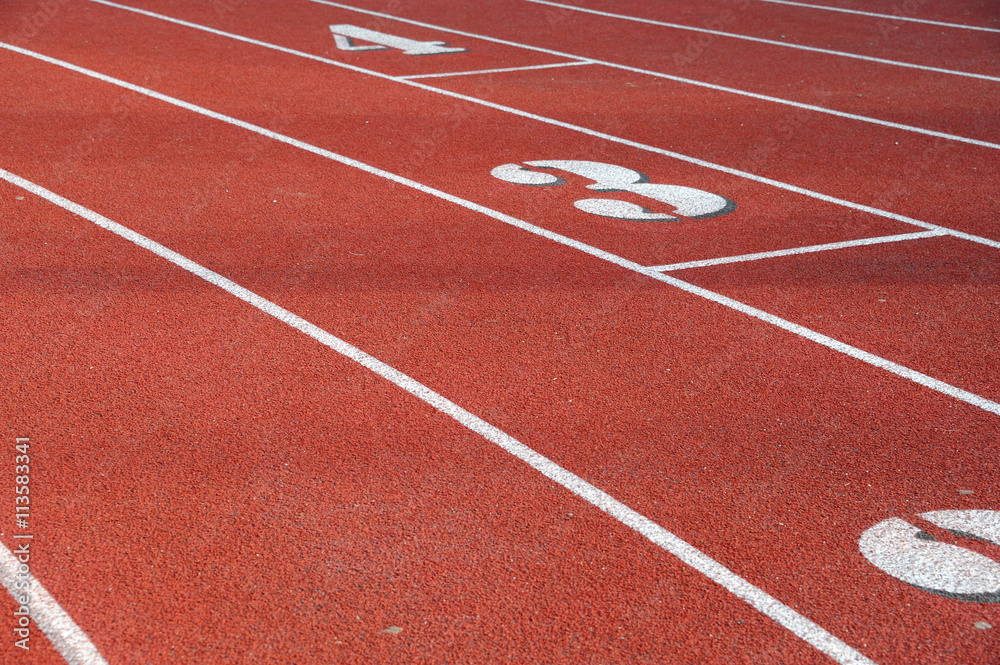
column 684, row 201
column 917, row 558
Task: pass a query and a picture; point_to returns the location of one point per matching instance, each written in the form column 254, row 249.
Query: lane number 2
column 684, row 201
column 344, row 36
column 917, row 558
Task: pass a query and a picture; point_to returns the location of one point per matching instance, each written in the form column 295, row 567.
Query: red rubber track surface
column 211, row 485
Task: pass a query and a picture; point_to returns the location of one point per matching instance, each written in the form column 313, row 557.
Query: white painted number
column 344, row 36
column 684, row 201
column 917, row 558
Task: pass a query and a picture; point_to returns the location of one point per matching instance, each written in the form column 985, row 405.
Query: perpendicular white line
column 899, row 370
column 678, row 79
column 893, row 17
column 770, row 42
column 67, row 637
column 785, row 616
column 797, row 250
column 496, row 71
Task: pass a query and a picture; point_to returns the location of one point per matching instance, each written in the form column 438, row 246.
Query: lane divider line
column 648, row 72
column 892, row 17
column 496, row 71
column 797, row 250
column 67, row 637
column 687, row 553
column 771, row 42
column 531, row 116
column 802, row 331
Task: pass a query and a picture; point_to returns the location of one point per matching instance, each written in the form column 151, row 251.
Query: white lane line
column 496, row 71
column 770, row 42
column 67, row 637
column 796, row 250
column 710, row 86
column 892, row 17
column 693, row 557
column 829, row 342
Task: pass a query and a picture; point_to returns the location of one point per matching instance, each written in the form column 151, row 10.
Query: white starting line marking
column 771, row 42
column 797, row 250
column 801, row 331
column 693, row 557
column 67, row 637
column 892, row 17
column 637, row 70
column 496, row 71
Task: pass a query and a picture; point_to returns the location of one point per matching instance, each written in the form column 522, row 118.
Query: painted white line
column 797, row 250
column 710, row 86
column 892, row 17
column 496, row 71
column 758, row 599
column 771, row 42
column 829, row 342
column 67, row 637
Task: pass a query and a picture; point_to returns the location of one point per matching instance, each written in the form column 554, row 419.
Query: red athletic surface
column 213, row 486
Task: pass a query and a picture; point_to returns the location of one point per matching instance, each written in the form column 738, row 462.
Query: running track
column 304, row 382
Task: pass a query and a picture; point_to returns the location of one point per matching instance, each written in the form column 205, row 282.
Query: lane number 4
column 344, row 36
column 684, row 201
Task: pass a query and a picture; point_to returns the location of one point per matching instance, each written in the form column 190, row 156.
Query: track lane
column 492, row 374
column 972, row 12
column 199, row 519
column 927, row 303
column 965, row 51
column 424, row 156
column 884, row 92
column 920, row 171
column 573, row 60
column 924, row 178
column 457, row 180
column 877, row 361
